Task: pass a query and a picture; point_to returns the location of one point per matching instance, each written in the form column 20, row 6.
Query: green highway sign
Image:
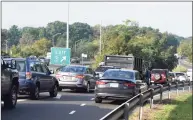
column 60, row 56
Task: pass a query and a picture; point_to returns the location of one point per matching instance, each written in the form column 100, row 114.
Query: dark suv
column 160, row 76
column 9, row 83
column 35, row 77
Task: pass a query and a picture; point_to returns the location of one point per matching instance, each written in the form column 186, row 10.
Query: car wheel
column 54, row 91
column 10, row 100
column 98, row 100
column 88, row 87
column 59, row 89
column 35, row 94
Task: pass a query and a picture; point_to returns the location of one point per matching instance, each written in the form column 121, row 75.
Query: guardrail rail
column 122, row 111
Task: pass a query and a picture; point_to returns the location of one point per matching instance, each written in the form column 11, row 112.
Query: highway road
column 68, row 105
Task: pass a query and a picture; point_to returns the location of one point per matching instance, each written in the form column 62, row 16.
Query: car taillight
column 129, row 84
column 80, row 76
column 58, row 75
column 163, row 76
column 100, row 82
column 28, row 75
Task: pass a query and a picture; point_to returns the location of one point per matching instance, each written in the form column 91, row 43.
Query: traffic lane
column 49, row 111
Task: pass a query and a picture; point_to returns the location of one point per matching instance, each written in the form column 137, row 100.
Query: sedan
column 76, row 77
column 119, row 84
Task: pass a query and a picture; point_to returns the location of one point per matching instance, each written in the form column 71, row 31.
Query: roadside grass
column 178, row 108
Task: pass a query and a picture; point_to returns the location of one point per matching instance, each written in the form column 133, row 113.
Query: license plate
column 114, row 84
column 66, row 78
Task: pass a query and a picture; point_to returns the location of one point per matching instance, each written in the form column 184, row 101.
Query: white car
column 181, row 76
column 189, row 73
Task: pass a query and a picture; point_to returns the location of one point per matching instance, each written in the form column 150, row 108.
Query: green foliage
column 14, row 35
column 185, row 49
column 179, row 69
column 38, row 48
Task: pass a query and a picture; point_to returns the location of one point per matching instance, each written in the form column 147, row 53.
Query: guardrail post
column 141, row 106
column 189, row 86
column 126, row 111
column 161, row 93
column 177, row 88
column 183, row 83
column 169, row 90
column 151, row 102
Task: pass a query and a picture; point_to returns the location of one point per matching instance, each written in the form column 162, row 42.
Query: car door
column 5, row 78
column 48, row 78
column 91, row 78
column 41, row 75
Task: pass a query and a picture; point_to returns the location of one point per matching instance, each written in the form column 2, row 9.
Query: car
column 173, row 76
column 189, row 73
column 75, row 60
column 76, row 77
column 9, row 83
column 181, row 76
column 101, row 69
column 44, row 60
column 35, row 77
column 160, row 76
column 119, row 84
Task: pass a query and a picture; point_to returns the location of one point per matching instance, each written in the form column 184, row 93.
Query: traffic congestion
column 128, row 77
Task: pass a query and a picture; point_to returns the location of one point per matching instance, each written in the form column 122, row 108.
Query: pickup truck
column 9, row 83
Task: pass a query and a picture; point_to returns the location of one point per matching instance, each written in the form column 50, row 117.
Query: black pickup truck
column 9, row 83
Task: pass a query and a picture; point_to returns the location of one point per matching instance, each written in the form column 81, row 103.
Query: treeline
column 121, row 39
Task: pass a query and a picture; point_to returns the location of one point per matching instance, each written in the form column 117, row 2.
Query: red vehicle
column 159, row 76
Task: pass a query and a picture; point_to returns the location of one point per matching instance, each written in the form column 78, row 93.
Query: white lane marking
column 72, row 112
column 92, row 99
column 83, row 104
column 58, row 96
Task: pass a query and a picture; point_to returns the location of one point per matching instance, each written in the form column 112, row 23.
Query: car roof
column 14, row 58
column 129, row 70
column 77, row 66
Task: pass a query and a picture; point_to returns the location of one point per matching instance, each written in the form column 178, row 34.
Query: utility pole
column 67, row 30
column 100, row 42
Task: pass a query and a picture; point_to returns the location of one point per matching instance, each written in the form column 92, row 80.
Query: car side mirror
column 51, row 71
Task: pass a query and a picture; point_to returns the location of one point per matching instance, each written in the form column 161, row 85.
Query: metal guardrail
column 122, row 111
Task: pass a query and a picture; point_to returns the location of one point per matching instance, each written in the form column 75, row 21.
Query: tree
column 4, row 37
column 41, row 47
column 14, row 35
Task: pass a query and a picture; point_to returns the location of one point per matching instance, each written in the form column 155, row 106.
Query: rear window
column 21, row 66
column 119, row 74
column 172, row 74
column 180, row 74
column 102, row 69
column 73, row 69
column 158, row 71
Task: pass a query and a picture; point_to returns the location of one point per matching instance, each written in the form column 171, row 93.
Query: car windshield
column 119, row 74
column 102, row 69
column 73, row 69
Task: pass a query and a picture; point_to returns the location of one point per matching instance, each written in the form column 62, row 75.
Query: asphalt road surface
column 68, row 105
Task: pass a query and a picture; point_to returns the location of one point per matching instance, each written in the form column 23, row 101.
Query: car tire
column 35, row 94
column 10, row 100
column 59, row 89
column 54, row 91
column 98, row 100
column 88, row 88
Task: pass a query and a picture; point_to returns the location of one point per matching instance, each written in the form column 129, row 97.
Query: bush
column 180, row 69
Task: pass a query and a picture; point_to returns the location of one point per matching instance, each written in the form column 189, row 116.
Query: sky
column 174, row 17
